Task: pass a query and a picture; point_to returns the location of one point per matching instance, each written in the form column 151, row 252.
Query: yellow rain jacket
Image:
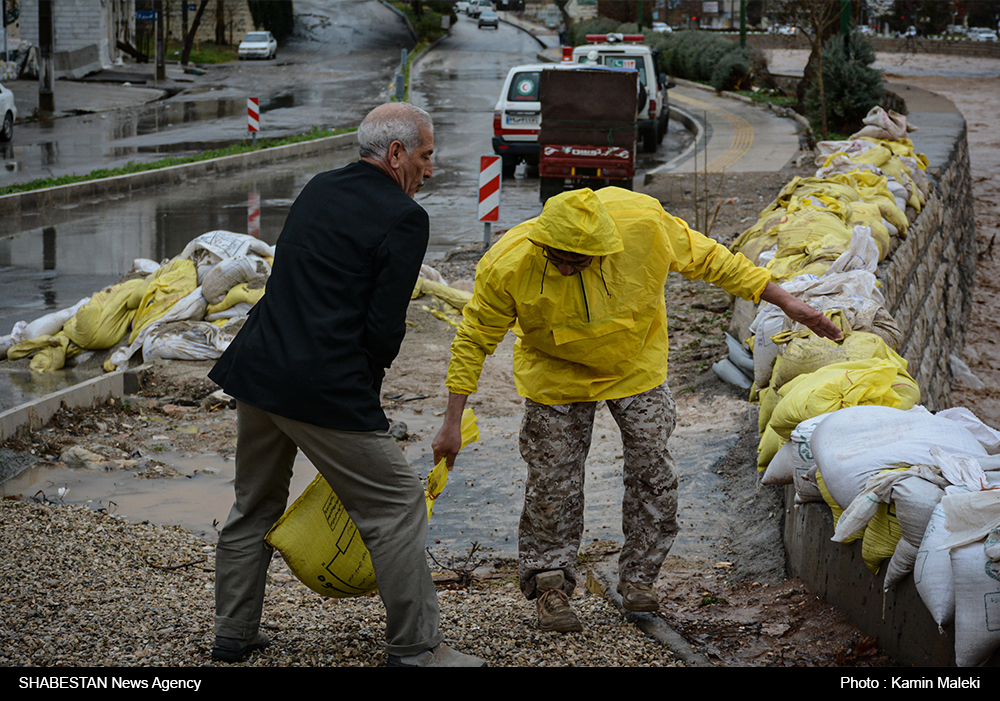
column 601, row 333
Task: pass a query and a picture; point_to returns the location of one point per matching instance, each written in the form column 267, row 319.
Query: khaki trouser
column 555, row 441
column 381, row 493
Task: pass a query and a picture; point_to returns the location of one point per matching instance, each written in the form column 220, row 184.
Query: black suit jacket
column 316, row 346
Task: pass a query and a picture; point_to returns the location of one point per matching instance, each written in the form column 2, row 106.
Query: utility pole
column 161, row 48
column 46, row 98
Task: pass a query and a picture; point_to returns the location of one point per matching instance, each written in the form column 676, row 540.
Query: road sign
column 253, row 114
column 489, row 188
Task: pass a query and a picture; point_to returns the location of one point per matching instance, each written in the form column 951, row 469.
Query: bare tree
column 818, row 20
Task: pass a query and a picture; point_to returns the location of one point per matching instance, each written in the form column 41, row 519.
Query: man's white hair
column 393, row 121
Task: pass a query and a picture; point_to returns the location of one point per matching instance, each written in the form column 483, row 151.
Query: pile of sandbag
column 921, row 492
column 188, row 308
column 841, row 421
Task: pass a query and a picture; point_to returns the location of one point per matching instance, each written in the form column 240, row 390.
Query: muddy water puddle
column 481, row 503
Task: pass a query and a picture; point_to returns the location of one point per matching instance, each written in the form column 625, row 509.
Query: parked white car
column 981, row 34
column 8, row 113
column 258, row 45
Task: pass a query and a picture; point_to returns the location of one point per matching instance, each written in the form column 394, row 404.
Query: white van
column 517, row 115
column 625, row 51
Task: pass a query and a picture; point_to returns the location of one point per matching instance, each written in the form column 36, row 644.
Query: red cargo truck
column 588, row 129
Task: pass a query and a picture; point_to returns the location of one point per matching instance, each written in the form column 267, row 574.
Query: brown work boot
column 554, row 611
column 638, row 597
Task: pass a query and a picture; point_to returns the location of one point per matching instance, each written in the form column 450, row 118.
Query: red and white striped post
column 253, row 117
column 489, row 193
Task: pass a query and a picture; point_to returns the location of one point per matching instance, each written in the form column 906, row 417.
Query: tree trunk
column 189, row 39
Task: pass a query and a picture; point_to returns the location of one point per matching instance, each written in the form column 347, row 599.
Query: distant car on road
column 478, row 7
column 489, row 18
column 662, row 28
column 8, row 112
column 866, row 30
column 258, row 45
column 462, row 6
column 981, row 34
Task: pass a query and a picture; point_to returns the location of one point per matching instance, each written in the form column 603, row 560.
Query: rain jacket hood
column 600, row 333
column 577, row 222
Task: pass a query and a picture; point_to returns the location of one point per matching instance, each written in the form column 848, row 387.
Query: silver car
column 8, row 112
column 258, row 45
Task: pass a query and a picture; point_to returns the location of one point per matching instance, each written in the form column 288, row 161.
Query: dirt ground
column 735, row 611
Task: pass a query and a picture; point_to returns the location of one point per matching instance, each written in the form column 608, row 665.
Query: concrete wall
column 928, row 282
column 83, row 33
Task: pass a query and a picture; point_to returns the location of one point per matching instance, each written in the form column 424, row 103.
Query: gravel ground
column 110, row 593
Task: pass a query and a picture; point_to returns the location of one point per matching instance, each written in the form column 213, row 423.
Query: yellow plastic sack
column 167, row 286
column 833, row 387
column 47, row 353
column 104, row 320
column 878, row 539
column 244, row 292
column 321, row 544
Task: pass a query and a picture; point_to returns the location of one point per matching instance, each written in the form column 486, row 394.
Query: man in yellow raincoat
column 582, row 287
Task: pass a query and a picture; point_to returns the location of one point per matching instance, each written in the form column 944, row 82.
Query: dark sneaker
column 232, row 650
column 638, row 597
column 440, row 656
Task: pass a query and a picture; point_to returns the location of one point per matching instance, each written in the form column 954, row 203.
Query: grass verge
column 130, row 168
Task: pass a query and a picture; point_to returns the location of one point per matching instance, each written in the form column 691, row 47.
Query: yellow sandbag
column 880, row 538
column 855, row 383
column 805, row 352
column 244, row 292
column 48, row 352
column 321, row 544
column 167, row 286
column 456, row 298
column 104, row 320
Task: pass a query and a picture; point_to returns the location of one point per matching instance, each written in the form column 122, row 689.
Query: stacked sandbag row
column 188, row 308
column 842, row 421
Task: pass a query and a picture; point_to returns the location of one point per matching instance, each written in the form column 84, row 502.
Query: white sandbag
column 977, row 605
column 971, row 516
column 47, row 325
column 770, row 321
column 432, row 274
column 185, row 340
column 900, row 564
column 857, row 442
column 226, row 244
column 146, row 266
column 807, row 487
column 988, row 437
column 727, row 372
column 915, row 499
column 231, row 272
column 740, row 356
column 795, row 456
column 932, row 572
column 237, row 310
column 862, row 254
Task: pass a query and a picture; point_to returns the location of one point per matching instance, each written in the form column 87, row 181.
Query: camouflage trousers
column 554, row 443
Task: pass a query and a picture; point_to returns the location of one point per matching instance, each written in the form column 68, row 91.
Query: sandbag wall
column 926, row 286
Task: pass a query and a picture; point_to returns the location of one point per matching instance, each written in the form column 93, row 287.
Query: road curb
column 62, row 195
column 601, row 580
column 35, row 414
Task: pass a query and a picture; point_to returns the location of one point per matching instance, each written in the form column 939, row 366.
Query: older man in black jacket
column 306, row 371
